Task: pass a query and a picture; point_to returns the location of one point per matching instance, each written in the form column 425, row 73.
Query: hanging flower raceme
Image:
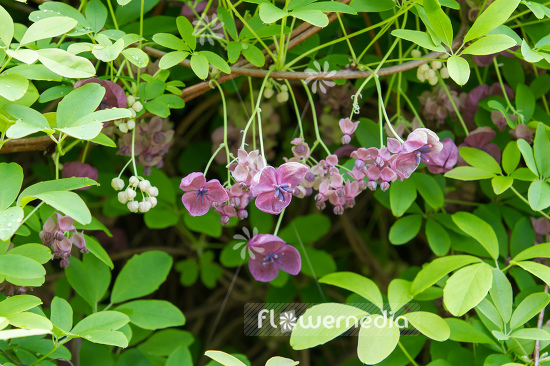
column 273, row 188
column 348, row 128
column 272, row 254
column 54, row 234
column 200, row 194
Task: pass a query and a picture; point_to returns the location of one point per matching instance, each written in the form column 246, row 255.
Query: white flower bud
column 420, row 76
column 153, row 191
column 132, row 113
column 284, row 88
column 445, row 73
column 144, row 185
column 133, row 206
column 117, row 184
column 131, row 124
column 144, row 206
column 423, row 68
column 137, row 106
column 282, row 97
column 433, row 81
column 130, row 193
column 430, row 74
column 122, row 197
column 123, row 127
column 131, row 100
column 134, row 181
column 152, row 201
column 436, row 65
column 416, row 53
column 268, row 93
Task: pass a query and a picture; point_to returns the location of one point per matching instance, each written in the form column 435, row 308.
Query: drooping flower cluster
column 128, row 196
column 272, row 254
column 436, row 105
column 60, row 235
column 427, row 72
column 134, row 107
column 152, row 142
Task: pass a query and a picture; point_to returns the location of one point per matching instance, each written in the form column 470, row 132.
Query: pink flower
column 273, row 188
column 420, row 143
column 275, row 255
column 200, row 194
column 445, row 160
column 348, row 127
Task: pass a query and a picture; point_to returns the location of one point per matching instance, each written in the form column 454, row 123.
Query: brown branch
column 27, row 144
column 536, row 353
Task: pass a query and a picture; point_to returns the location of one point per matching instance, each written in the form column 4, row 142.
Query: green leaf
column 108, row 53
column 539, row 270
column 48, row 28
column 96, row 14
column 96, row 249
column 79, row 103
column 108, row 337
column 88, row 127
column 486, row 308
column 61, row 314
column 440, row 23
column 402, row 195
column 269, row 13
column 29, row 121
column 539, row 195
column 528, row 308
column 305, row 336
column 10, row 220
column 224, row 358
column 186, row 31
column 171, row 59
column 479, row 230
column 6, row 27
column 20, row 267
column 372, row 6
column 18, row 303
column 170, row 41
column 501, row 183
column 501, row 294
column 253, row 54
column 55, row 92
column 180, row 356
column 527, row 153
column 164, row 342
column 104, row 140
column 66, row 64
column 314, row 17
column 429, row 324
column 493, row 43
column 422, row 39
column 69, row 203
column 437, row 269
column 281, row 361
column 28, row 320
column 467, row 287
column 65, row 184
column 234, row 51
column 13, row 86
column 19, row 333
column 459, row 70
column 462, row 331
column 356, row 283
column 525, row 105
column 399, row 294
column 377, row 342
column 510, row 157
column 199, row 65
column 536, row 251
column 39, row 252
column 524, row 174
column 469, row 173
column 228, row 22
column 11, row 183
column 90, row 278
column 405, row 229
column 496, row 14
column 480, row 159
column 142, row 275
column 328, row 7
column 438, row 238
column 429, row 189
column 160, row 218
column 532, row 333
column 528, row 54
column 216, row 61
column 153, row 314
column 24, row 55
column 136, row 57
column 541, row 147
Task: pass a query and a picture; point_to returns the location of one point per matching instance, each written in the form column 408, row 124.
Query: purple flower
column 471, row 103
column 445, row 160
column 53, row 235
column 348, row 127
column 523, row 132
column 274, row 255
column 499, row 119
column 200, row 193
column 481, row 139
column 78, row 169
column 420, row 144
column 114, row 94
column 273, row 188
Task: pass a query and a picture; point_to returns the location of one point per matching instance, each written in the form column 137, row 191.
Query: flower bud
column 320, row 205
column 134, row 181
column 133, row 206
column 282, row 97
column 132, row 113
column 144, row 185
column 432, row 81
column 372, row 185
column 384, row 186
column 436, row 65
column 153, row 191
column 123, row 127
column 122, row 197
column 137, row 106
column 242, row 214
column 130, row 100
column 268, row 93
column 144, row 206
column 117, row 184
column 423, row 68
column 152, row 201
column 346, row 139
column 416, row 53
column 131, row 124
column 338, row 210
column 445, row 73
column 430, row 74
column 224, row 220
column 130, row 193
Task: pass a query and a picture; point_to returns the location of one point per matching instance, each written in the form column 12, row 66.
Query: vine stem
column 254, row 112
column 133, row 152
column 527, row 202
column 222, row 145
column 112, row 13
column 314, row 114
column 453, row 104
column 291, row 93
column 503, row 88
column 536, row 353
column 411, row 360
column 225, row 144
column 279, row 220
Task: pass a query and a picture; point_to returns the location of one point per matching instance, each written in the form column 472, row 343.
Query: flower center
column 272, row 258
column 280, row 190
column 420, row 154
column 201, row 193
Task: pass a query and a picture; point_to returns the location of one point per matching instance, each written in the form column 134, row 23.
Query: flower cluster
column 55, row 235
column 152, row 142
column 127, row 196
column 436, row 105
column 134, row 107
column 428, row 72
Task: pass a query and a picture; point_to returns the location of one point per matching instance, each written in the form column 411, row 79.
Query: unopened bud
column 137, row 106
column 284, row 88
column 132, row 113
column 152, row 201
column 384, row 186
column 130, row 193
column 445, row 73
column 224, row 220
column 346, row 139
column 117, row 184
column 144, row 206
column 372, row 185
column 416, row 53
column 134, row 181
column 282, row 97
column 338, row 210
column 133, row 206
column 122, row 197
column 268, row 93
column 436, row 65
column 131, row 100
column 430, row 74
column 153, row 191
column 144, row 185
column 131, row 124
column 242, row 214
column 423, row 68
column 433, row 81
column 123, row 127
